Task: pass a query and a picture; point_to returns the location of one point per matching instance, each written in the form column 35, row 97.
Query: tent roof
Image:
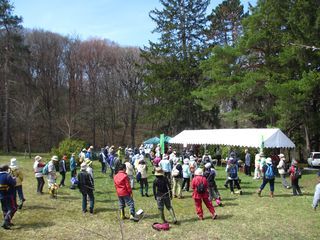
column 245, row 137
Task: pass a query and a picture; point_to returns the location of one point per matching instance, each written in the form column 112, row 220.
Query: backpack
column 269, row 173
column 200, row 188
column 45, row 170
column 233, row 171
column 297, row 173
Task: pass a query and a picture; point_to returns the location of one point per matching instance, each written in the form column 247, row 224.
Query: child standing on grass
column 295, row 174
column 162, row 194
column 17, row 174
column 124, row 192
column 200, row 193
column 316, row 197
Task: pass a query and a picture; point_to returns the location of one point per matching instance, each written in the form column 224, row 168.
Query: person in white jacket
column 129, row 172
column 52, row 176
column 316, row 197
column 282, row 171
column 142, row 169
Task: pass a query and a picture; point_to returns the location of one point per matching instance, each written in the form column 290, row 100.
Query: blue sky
column 125, row 22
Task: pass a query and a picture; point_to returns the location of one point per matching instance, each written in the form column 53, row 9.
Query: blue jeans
column 84, row 201
column 20, row 193
column 129, row 201
column 264, row 183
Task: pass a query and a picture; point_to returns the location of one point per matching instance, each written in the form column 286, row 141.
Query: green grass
column 242, row 217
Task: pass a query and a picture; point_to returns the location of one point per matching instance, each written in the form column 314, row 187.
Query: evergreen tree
column 172, row 69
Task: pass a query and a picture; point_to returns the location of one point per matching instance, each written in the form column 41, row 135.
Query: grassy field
column 243, row 217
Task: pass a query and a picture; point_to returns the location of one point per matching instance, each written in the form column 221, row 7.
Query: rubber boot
column 173, row 216
column 259, row 192
column 271, row 194
column 122, row 214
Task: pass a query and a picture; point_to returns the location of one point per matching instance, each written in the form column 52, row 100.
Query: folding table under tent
column 242, row 137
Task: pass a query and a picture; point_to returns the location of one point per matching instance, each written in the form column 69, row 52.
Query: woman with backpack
column 232, row 172
column 200, row 193
column 210, row 174
column 295, row 174
column 268, row 177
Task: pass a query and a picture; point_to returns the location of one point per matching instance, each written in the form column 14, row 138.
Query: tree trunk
column 133, row 122
column 6, row 126
column 307, row 138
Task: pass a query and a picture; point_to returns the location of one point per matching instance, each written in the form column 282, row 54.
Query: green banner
column 162, row 143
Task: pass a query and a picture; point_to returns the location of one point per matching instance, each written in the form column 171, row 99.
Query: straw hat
column 54, row 158
column 37, row 158
column 158, row 171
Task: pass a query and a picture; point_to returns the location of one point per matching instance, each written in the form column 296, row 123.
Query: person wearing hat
column 143, row 170
column 166, row 167
column 73, row 166
column 18, row 175
column 177, row 177
column 295, row 175
column 86, row 187
column 38, row 165
column 210, row 174
column 268, row 177
column 62, row 170
column 89, row 153
column 52, row 176
column 89, row 168
column 257, row 171
column 186, row 174
column 233, row 178
column 8, row 204
column 129, row 171
column 162, row 194
column 282, row 171
column 200, row 193
column 124, row 192
column 316, row 197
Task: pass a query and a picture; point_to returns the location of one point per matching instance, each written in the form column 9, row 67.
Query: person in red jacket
column 200, row 193
column 124, row 192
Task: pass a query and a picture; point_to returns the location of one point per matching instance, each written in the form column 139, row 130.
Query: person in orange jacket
column 124, row 192
column 200, row 193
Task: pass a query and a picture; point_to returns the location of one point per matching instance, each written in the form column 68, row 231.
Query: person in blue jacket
column 8, row 204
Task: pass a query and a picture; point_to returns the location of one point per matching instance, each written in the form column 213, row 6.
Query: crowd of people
column 174, row 174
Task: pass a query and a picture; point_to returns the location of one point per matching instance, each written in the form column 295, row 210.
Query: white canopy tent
column 246, row 137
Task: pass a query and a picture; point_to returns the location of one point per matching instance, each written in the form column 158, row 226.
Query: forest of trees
column 226, row 69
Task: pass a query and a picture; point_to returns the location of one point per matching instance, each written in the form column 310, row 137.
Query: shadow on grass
column 228, row 198
column 106, row 200
column 101, row 209
column 152, row 216
column 229, row 204
column 69, row 197
column 34, row 225
column 224, row 216
column 38, row 207
column 194, row 219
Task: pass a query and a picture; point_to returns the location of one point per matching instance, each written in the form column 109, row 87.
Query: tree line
column 226, row 69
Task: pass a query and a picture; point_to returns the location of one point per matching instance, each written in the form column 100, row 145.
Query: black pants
column 144, row 184
column 40, row 185
column 63, row 175
column 186, row 181
column 247, row 170
column 73, row 173
column 234, row 182
column 295, row 187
